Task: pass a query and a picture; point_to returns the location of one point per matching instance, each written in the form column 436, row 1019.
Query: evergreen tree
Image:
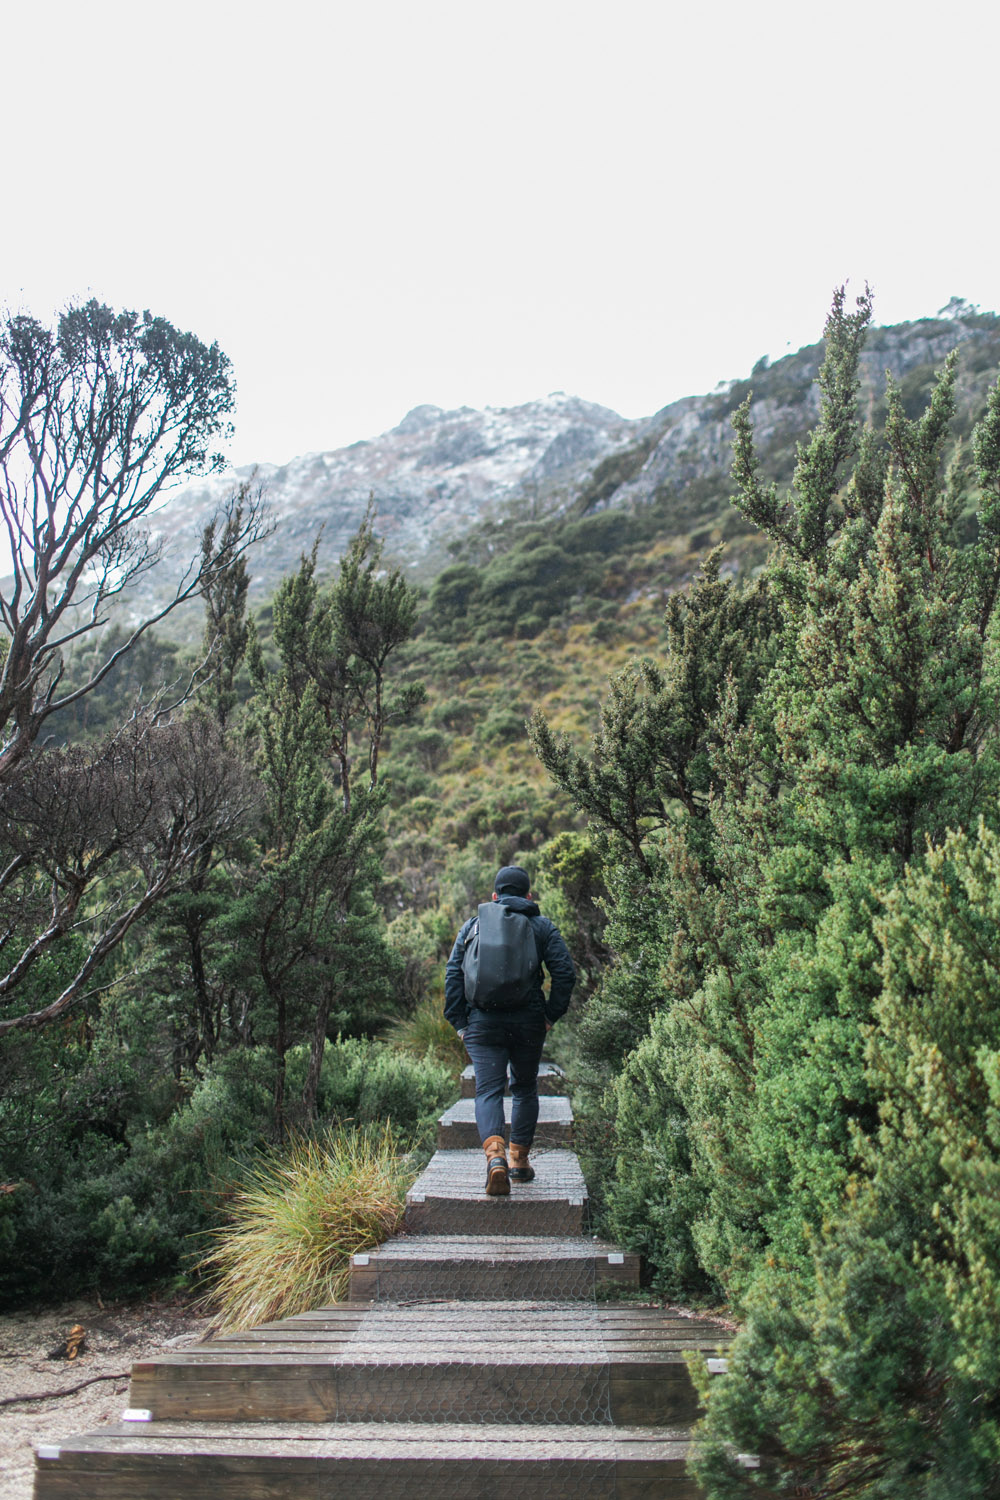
column 305, row 938
column 206, row 1012
column 878, row 1376
column 647, row 789
column 753, row 1108
column 340, row 640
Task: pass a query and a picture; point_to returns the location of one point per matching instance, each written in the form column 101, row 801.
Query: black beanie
column 513, row 880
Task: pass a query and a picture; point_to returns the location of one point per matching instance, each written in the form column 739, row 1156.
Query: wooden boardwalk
column 479, row 1356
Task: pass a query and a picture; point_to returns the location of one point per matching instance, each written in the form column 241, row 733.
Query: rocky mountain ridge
column 692, row 438
column 432, row 477
column 439, row 475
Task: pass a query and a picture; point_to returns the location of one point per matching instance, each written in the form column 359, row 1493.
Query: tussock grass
column 298, row 1217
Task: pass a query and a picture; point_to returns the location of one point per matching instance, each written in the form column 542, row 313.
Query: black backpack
column 501, row 959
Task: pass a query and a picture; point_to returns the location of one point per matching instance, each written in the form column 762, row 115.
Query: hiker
column 494, row 999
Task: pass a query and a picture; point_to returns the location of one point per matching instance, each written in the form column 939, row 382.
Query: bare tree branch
column 97, row 420
column 140, row 812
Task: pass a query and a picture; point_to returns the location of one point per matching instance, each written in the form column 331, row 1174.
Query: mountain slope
column 432, row 477
column 448, row 482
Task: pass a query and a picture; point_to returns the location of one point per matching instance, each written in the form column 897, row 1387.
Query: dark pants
column 495, row 1041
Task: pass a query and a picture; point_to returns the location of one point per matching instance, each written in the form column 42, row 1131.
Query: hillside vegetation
column 732, row 692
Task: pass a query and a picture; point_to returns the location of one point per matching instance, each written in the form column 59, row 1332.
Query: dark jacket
column 552, row 952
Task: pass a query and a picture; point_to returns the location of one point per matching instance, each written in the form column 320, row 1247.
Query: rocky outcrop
column 432, row 477
column 438, row 474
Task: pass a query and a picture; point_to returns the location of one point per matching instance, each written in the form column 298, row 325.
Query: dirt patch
column 114, row 1337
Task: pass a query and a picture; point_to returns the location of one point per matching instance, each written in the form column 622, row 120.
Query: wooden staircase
column 477, row 1359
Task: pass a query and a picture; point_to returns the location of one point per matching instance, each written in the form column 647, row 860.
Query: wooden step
column 358, row 1461
column 474, row 1362
column 449, row 1198
column 340, row 1318
column 489, row 1267
column 457, row 1126
column 516, row 1362
column 551, row 1080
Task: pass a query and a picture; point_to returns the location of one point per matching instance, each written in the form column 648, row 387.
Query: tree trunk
column 280, row 1048
column 316, row 1058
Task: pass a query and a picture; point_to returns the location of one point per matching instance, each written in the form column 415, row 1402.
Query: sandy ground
column 116, row 1335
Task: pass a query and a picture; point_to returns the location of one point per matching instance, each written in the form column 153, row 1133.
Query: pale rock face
column 432, row 477
column 438, row 473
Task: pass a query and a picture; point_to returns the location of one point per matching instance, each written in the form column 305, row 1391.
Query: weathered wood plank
column 442, row 1277
column 457, row 1126
column 551, row 1080
column 560, row 1390
column 652, row 1394
column 516, row 1362
column 411, row 1464
column 323, row 1438
column 449, row 1197
column 274, row 1338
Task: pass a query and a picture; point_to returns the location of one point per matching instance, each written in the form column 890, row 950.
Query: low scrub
column 366, row 1082
column 426, row 1035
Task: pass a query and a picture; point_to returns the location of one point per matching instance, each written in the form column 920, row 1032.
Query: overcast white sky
column 374, row 205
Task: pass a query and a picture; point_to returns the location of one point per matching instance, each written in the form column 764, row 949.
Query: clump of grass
column 297, row 1218
column 425, row 1031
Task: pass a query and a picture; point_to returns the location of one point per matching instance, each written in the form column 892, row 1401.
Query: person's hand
column 549, row 1025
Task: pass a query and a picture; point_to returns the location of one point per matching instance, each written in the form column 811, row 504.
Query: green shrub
column 457, row 713
column 368, row 1082
column 877, row 1376
column 412, row 941
column 426, row 1034
column 92, row 1208
column 502, row 727
column 453, row 593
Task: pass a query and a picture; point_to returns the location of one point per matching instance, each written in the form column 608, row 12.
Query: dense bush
column 92, row 1204
column 802, row 1047
column 425, row 1033
column 369, row 1081
column 95, row 1204
column 878, row 1375
column 519, row 589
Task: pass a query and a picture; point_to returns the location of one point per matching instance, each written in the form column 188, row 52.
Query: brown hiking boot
column 520, row 1171
column 497, row 1179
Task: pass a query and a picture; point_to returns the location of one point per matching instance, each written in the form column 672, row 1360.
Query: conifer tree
column 205, row 1009
column 757, row 1115
column 877, row 1376
column 647, row 787
column 874, row 1359
column 305, row 936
